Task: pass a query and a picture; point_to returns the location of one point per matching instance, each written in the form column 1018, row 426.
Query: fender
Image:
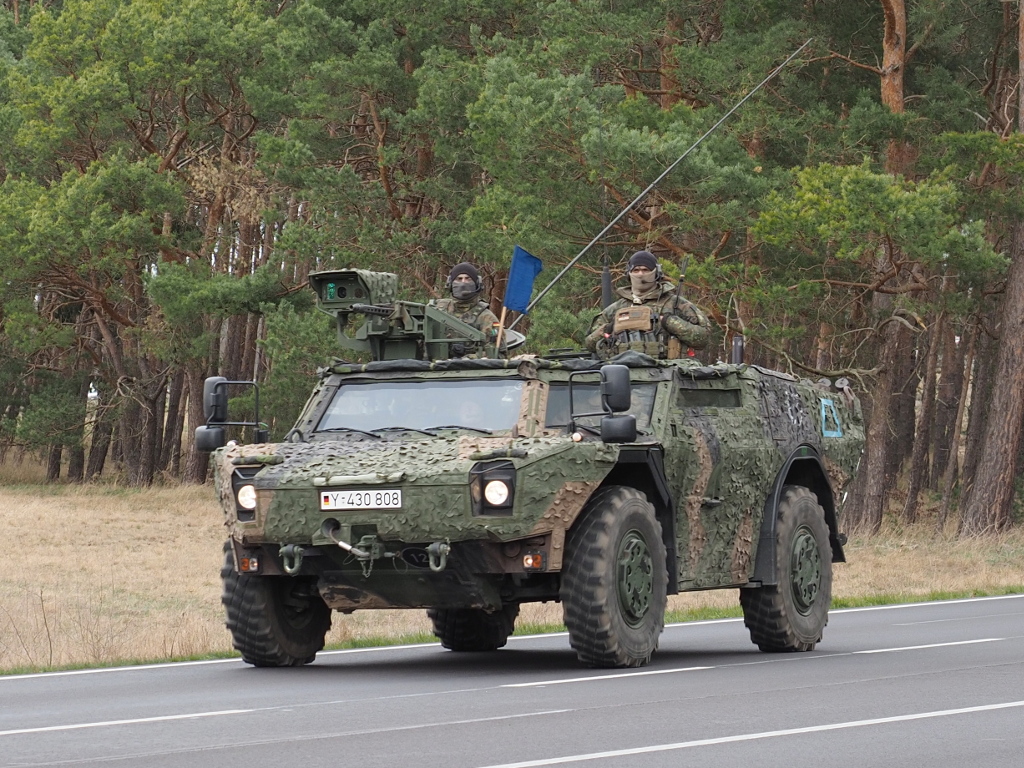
column 803, row 467
column 643, row 467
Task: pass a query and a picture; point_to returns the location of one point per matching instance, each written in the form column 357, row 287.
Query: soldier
column 650, row 317
column 466, row 286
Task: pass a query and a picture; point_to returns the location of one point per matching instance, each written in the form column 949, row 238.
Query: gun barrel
column 373, row 309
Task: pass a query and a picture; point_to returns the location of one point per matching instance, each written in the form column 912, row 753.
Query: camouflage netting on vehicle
column 470, row 486
column 630, row 359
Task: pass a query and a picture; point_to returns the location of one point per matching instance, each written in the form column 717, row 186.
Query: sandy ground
column 105, row 574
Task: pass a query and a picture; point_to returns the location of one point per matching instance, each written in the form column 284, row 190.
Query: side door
column 718, row 459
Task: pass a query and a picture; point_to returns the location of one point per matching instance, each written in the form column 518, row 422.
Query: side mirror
column 616, row 391
column 618, row 429
column 209, row 438
column 215, row 399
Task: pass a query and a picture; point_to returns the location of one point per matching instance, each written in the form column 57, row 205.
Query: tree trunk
column 949, row 472
column 977, row 413
column 252, row 325
column 668, row 67
column 906, row 376
column 233, row 347
column 101, row 431
column 172, row 424
column 987, row 506
column 922, row 438
column 53, row 463
column 117, row 447
column 152, row 434
column 875, row 489
column 198, row 462
column 947, row 400
column 129, row 429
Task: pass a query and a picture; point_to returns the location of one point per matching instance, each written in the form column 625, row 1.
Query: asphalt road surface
column 931, row 684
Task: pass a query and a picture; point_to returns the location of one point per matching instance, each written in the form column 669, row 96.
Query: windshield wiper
column 351, row 429
column 405, row 429
column 463, row 426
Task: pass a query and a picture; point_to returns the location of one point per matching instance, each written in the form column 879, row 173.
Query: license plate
column 374, row 499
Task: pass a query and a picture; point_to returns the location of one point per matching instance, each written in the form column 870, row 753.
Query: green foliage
column 164, row 166
column 55, row 415
column 852, row 213
column 296, row 345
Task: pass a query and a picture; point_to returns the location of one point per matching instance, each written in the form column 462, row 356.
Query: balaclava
column 464, row 291
column 642, row 284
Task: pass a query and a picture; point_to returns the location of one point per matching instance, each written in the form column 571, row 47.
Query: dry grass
column 102, row 574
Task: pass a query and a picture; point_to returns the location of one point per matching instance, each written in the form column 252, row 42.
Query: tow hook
column 291, row 558
column 437, row 554
column 328, row 530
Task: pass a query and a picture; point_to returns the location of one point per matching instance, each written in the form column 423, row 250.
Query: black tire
column 614, row 580
column 792, row 615
column 275, row 621
column 473, row 629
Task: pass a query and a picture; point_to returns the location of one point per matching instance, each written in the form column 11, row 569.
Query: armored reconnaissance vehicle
column 469, row 486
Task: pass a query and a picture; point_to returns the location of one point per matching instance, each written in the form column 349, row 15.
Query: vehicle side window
column 587, row 399
column 709, row 398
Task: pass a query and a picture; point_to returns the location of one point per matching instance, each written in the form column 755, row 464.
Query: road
column 931, row 684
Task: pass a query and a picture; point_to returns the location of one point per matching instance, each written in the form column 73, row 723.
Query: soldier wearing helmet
column 650, row 317
column 465, row 288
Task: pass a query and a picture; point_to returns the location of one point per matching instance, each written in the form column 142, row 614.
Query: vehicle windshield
column 586, row 398
column 484, row 405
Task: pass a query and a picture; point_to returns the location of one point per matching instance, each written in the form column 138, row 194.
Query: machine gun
column 394, row 330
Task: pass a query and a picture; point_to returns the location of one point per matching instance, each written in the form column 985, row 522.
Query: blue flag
column 525, row 268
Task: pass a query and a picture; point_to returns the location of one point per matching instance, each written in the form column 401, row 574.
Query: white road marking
column 136, row 721
column 959, row 618
column 753, row 736
column 180, row 664
column 613, row 676
column 896, row 606
column 395, row 729
column 932, row 645
column 627, row 675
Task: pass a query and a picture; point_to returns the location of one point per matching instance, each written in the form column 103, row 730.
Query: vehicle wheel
column 614, row 581
column 473, row 629
column 275, row 621
column 791, row 615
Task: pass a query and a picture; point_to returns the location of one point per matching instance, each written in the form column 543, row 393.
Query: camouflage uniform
column 474, row 312
column 671, row 316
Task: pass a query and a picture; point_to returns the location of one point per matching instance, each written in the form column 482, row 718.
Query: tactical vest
column 637, row 328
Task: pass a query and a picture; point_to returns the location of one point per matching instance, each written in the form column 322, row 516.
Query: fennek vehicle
column 469, row 486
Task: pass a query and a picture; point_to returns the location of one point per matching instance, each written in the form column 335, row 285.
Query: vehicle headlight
column 492, row 485
column 246, row 496
column 244, row 489
column 496, row 492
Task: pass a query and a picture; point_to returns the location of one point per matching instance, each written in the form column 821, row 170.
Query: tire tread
column 247, row 604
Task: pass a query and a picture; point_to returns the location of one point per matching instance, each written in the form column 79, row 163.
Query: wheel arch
column 803, row 467
column 644, row 470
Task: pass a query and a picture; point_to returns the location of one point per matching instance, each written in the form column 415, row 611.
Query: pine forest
column 171, row 172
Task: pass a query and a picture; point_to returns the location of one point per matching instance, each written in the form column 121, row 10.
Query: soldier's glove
column 458, row 350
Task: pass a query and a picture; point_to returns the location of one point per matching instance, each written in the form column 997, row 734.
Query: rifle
column 674, row 348
column 655, row 183
column 607, row 295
